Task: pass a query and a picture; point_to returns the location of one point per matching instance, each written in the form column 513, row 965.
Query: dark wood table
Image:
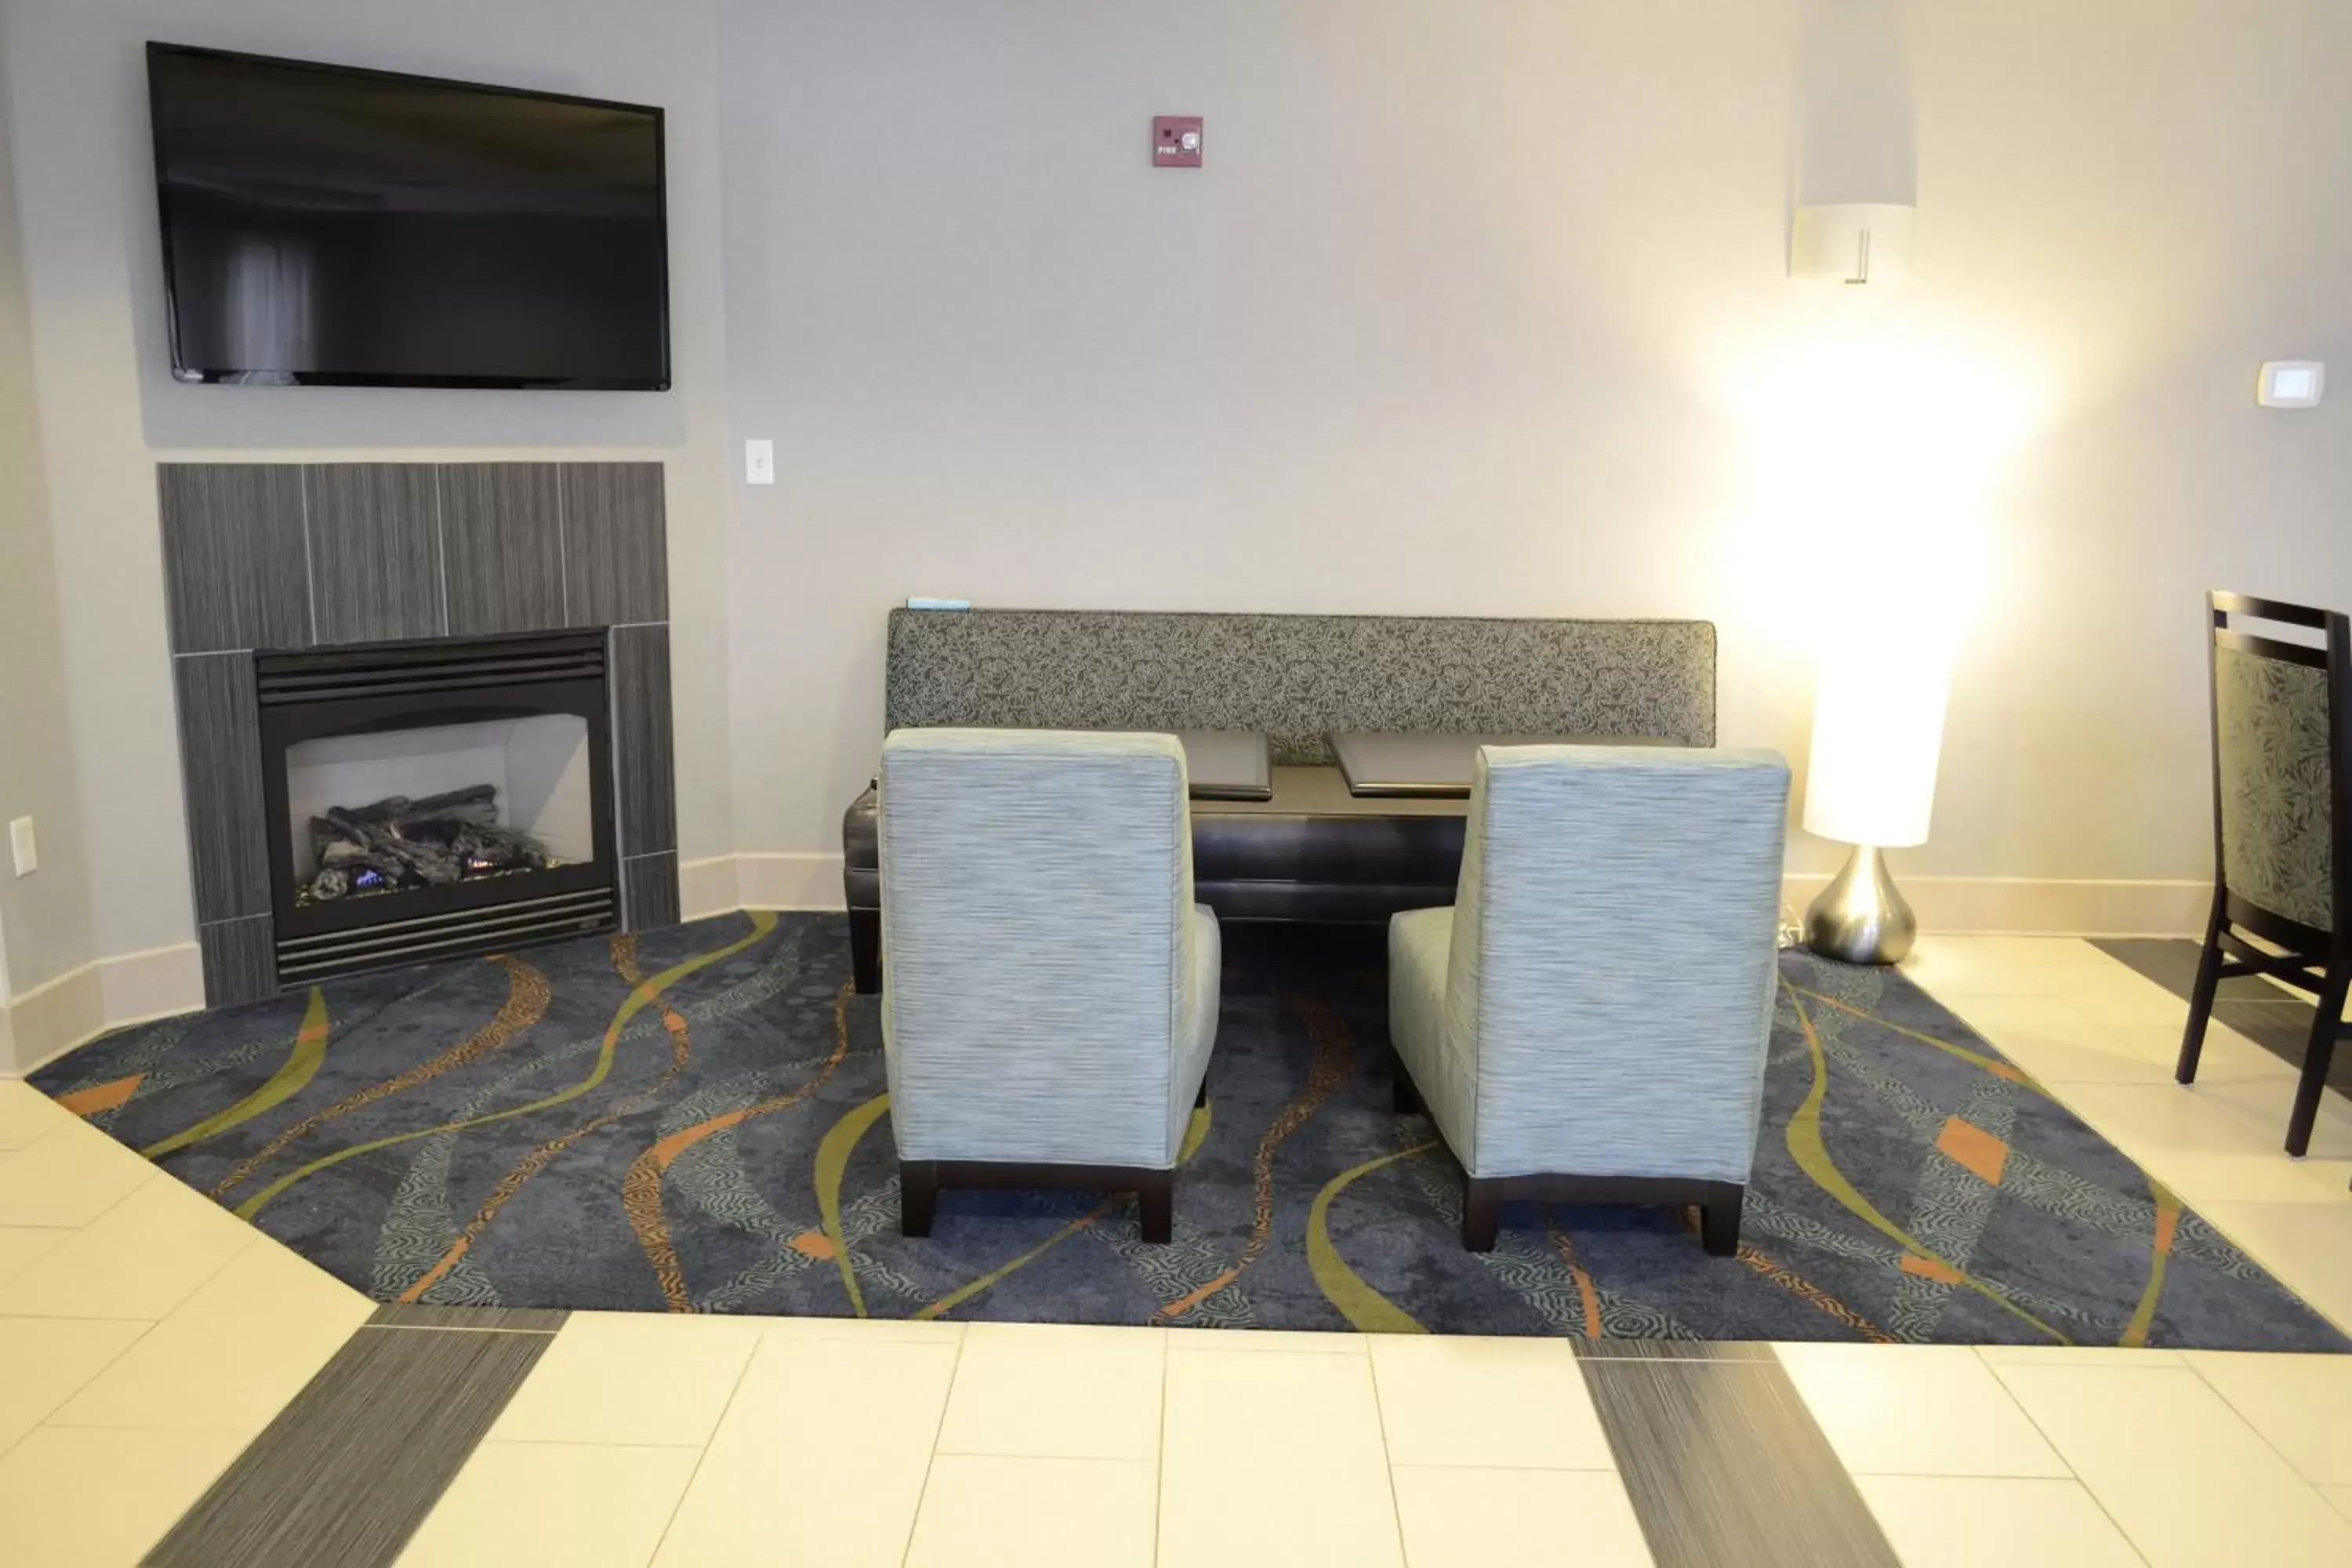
column 1404, row 764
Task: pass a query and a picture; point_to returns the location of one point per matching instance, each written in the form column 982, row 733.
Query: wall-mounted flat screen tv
column 324, row 225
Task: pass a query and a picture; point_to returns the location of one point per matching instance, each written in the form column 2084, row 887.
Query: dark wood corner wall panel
column 375, row 552
column 503, row 525
column 643, row 746
column 287, row 555
column 220, row 755
column 240, row 960
column 236, row 570
column 614, row 544
column 649, row 895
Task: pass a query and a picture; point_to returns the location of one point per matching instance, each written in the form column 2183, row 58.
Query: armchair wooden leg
column 2200, row 996
column 1482, row 1213
column 1718, row 1218
column 2325, row 1025
column 865, row 951
column 919, row 1196
column 1155, row 1198
column 1404, row 1095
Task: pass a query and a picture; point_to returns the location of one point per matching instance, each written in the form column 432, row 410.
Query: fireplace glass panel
column 399, row 810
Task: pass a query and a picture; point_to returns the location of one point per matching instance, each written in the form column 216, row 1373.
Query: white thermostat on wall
column 2292, row 384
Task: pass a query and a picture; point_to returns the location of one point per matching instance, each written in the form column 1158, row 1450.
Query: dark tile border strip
column 1724, row 1464
column 527, row 1319
column 351, row 1467
column 2271, row 1018
column 1671, row 1350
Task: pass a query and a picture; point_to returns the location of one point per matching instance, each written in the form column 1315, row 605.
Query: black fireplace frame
column 378, row 687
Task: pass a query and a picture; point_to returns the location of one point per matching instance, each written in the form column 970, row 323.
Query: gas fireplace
column 424, row 710
column 430, row 798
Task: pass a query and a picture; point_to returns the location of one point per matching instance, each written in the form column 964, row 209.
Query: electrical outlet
column 2292, row 384
column 21, row 843
column 759, row 462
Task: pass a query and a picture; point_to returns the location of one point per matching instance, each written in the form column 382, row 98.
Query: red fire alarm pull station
column 1176, row 142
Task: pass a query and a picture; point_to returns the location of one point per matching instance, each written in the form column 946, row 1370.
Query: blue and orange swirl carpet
column 694, row 1120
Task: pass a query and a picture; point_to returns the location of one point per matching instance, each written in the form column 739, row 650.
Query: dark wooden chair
column 2282, row 825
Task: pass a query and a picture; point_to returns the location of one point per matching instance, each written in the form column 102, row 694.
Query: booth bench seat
column 1313, row 852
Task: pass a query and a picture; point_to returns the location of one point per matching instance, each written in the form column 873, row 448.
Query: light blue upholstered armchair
column 1049, row 991
column 1588, row 1022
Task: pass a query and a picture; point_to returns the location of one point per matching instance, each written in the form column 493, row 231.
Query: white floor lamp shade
column 1878, row 732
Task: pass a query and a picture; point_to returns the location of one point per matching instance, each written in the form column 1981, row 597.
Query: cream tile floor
column 144, row 1339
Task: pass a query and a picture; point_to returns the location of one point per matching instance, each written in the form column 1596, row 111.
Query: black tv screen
column 331, row 227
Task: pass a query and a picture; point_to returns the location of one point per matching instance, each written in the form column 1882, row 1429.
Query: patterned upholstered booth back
column 2275, row 777
column 1614, row 962
column 1296, row 678
column 1036, row 920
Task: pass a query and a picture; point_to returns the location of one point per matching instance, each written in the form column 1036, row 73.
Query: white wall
column 109, row 410
column 1477, row 308
column 1481, row 307
column 44, row 918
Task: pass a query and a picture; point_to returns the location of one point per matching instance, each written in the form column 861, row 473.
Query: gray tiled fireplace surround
column 300, row 555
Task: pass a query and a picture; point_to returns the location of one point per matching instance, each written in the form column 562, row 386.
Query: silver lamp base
column 1860, row 917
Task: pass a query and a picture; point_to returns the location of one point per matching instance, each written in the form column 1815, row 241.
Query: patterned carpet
column 694, row 1120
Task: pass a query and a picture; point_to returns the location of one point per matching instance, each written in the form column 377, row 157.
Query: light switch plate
column 22, row 845
column 1176, row 142
column 759, row 462
column 2292, row 384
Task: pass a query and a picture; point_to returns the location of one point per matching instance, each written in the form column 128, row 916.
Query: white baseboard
column 2021, row 906
column 52, row 1018
column 789, row 881
column 707, row 888
column 724, row 882
column 2014, row 905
